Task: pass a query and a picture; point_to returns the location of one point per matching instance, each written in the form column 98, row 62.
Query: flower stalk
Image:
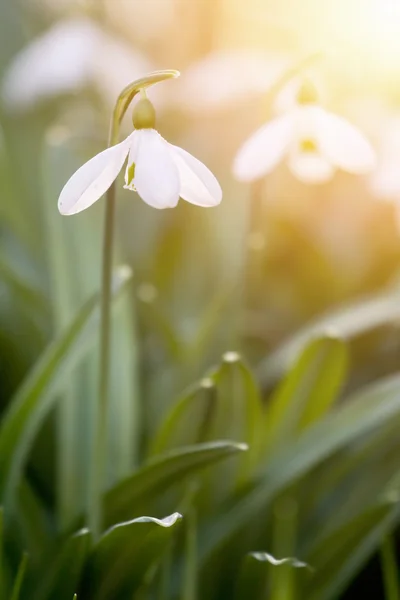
column 99, row 455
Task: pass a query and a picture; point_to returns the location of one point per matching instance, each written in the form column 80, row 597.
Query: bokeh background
column 245, row 276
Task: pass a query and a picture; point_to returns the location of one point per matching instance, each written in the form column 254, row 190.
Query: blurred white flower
column 385, row 180
column 225, row 77
column 71, row 55
column 316, row 143
column 158, row 171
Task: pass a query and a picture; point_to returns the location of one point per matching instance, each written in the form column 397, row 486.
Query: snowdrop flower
column 71, row 55
column 385, row 180
column 158, row 171
column 315, row 142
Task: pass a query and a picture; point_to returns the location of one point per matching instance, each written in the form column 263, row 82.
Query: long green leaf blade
column 36, row 395
column 171, row 469
column 124, row 558
column 20, row 578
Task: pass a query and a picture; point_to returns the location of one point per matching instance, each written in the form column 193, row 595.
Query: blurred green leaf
column 189, row 587
column 255, row 574
column 74, row 265
column 124, row 558
column 338, row 557
column 368, row 467
column 307, row 392
column 224, row 404
column 20, row 578
column 365, row 411
column 2, row 577
column 62, row 575
column 347, row 323
column 36, row 395
column 188, row 420
column 22, row 288
column 162, row 473
column 389, row 568
column 239, row 410
column 30, row 521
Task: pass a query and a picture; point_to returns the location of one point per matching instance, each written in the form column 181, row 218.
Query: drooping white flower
column 385, row 180
column 159, row 172
column 315, row 142
column 71, row 55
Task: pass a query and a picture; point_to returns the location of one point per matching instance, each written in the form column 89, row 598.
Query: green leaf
column 339, row 556
column 308, row 390
column 62, row 577
column 74, row 276
column 159, row 475
column 37, row 394
column 255, row 574
column 189, row 586
column 125, row 557
column 368, row 466
column 389, row 568
column 2, row 574
column 31, row 523
column 20, row 578
column 23, row 289
column 188, row 420
column 239, row 410
column 371, row 408
column 347, row 323
column 225, row 404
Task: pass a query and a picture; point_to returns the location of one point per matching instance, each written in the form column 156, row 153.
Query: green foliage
column 284, row 469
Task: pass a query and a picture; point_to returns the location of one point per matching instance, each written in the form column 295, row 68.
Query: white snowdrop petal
column 343, row 144
column 156, row 175
column 310, row 167
column 264, row 149
column 197, row 184
column 93, row 179
column 385, row 181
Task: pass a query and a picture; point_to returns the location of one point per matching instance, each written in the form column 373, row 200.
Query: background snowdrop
column 315, row 141
column 385, row 180
column 71, row 55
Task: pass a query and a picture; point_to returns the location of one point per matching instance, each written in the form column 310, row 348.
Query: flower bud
column 144, row 115
column 307, row 93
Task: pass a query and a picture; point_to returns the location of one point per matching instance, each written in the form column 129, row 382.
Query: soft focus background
column 245, row 277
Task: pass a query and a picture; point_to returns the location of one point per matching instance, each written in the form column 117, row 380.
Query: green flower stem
column 100, row 434
column 99, row 456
